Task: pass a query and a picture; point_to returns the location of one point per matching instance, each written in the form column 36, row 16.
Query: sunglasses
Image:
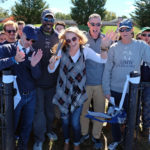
column 146, row 35
column 69, row 40
column 33, row 41
column 9, row 31
column 49, row 20
column 95, row 24
column 127, row 30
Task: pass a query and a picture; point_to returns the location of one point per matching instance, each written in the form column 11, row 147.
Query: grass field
column 104, row 28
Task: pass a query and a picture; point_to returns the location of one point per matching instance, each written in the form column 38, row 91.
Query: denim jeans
column 116, row 130
column 24, row 114
column 146, row 107
column 72, row 119
column 44, row 113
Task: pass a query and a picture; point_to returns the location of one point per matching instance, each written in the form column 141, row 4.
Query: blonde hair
column 10, row 22
column 62, row 37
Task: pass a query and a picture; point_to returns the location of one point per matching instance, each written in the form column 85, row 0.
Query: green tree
column 29, row 10
column 110, row 16
column 141, row 15
column 3, row 13
column 82, row 9
column 60, row 15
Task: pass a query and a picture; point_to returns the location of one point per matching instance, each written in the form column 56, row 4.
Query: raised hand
column 36, row 57
column 108, row 39
column 53, row 60
column 20, row 55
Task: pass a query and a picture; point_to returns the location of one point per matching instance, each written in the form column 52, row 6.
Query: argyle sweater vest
column 70, row 90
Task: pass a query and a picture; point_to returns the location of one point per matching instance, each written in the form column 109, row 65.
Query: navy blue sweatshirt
column 26, row 74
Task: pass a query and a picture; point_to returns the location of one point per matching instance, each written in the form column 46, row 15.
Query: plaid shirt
column 70, row 91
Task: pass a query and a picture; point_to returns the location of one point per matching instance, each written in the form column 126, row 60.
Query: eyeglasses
column 33, row 41
column 73, row 39
column 127, row 29
column 9, row 31
column 95, row 24
column 49, row 20
column 146, row 35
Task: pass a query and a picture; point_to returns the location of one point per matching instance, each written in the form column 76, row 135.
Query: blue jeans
column 74, row 120
column 146, row 107
column 116, row 130
column 24, row 114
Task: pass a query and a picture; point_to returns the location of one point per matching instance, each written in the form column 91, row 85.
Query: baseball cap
column 125, row 23
column 30, row 32
column 47, row 12
column 145, row 29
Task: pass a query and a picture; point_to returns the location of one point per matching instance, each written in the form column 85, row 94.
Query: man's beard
column 47, row 27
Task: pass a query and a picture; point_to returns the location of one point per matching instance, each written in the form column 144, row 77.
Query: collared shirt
column 21, row 48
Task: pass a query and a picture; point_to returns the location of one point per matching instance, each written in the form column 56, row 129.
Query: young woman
column 70, row 92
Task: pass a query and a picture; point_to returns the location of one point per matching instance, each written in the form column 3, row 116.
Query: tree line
column 30, row 11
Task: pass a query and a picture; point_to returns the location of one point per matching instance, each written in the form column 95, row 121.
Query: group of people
column 66, row 69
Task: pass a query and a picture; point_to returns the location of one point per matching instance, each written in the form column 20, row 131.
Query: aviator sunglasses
column 146, row 35
column 95, row 24
column 33, row 41
column 127, row 29
column 49, row 20
column 9, row 31
column 69, row 40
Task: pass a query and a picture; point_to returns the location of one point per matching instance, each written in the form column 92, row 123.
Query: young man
column 46, row 85
column 145, row 77
column 23, row 62
column 21, row 25
column 124, row 57
column 10, row 29
column 60, row 25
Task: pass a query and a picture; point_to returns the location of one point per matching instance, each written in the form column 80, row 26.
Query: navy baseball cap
column 47, row 12
column 126, row 23
column 30, row 32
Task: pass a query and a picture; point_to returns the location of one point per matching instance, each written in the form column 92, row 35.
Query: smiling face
column 11, row 33
column 25, row 42
column 145, row 36
column 47, row 23
column 94, row 25
column 126, row 34
column 72, row 40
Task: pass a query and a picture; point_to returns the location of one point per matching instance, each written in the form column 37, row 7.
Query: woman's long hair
column 62, row 38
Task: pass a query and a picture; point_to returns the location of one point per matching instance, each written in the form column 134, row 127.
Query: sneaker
column 52, row 136
column 38, row 146
column 84, row 138
column 113, row 145
column 97, row 143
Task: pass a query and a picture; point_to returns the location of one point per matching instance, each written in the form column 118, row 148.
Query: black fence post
column 9, row 109
column 132, row 112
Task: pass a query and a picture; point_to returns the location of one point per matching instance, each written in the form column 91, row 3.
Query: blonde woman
column 70, row 92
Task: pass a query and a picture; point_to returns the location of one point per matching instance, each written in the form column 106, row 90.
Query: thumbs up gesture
column 20, row 56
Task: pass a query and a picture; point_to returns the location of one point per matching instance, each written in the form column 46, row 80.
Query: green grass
column 104, row 29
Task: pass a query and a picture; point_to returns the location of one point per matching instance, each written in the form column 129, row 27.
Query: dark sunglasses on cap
column 69, row 40
column 33, row 41
column 49, row 20
column 127, row 29
column 146, row 35
column 9, row 31
column 95, row 24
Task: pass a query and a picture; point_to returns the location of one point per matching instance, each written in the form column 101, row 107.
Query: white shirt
column 88, row 54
